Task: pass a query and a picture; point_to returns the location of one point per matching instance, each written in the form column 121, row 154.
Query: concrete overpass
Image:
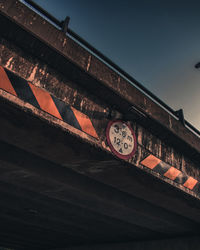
column 61, row 184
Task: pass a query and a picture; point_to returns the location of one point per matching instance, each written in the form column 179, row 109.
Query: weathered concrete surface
column 64, row 186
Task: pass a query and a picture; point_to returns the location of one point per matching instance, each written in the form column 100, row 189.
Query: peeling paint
column 183, row 163
column 160, row 150
column 89, row 61
column 172, row 157
column 9, row 63
column 118, row 79
column 74, row 96
column 42, row 71
column 32, row 75
column 139, row 138
column 104, row 146
column 64, row 42
column 145, row 102
column 170, row 121
column 81, row 104
column 139, row 156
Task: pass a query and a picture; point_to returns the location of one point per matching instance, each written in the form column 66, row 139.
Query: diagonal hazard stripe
column 151, row 162
column 162, row 168
column 181, row 178
column 85, row 123
column 190, row 183
column 170, row 172
column 5, row 83
column 45, row 101
column 22, row 89
column 66, row 113
column 41, row 99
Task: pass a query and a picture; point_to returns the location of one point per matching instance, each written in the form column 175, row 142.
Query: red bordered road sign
column 121, row 139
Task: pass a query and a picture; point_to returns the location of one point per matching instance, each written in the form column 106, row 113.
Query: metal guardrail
column 64, row 27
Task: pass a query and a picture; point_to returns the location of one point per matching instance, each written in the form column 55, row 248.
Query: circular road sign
column 121, row 139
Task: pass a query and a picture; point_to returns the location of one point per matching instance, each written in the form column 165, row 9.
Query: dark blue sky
column 157, row 42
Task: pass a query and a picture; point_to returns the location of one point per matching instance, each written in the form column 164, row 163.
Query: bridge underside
column 59, row 191
column 60, row 185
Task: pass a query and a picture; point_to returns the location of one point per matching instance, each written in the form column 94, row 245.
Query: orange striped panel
column 45, row 101
column 190, row 183
column 172, row 173
column 5, row 83
column 85, row 123
column 151, row 161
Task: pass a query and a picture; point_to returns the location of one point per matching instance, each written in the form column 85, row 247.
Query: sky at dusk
column 156, row 42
